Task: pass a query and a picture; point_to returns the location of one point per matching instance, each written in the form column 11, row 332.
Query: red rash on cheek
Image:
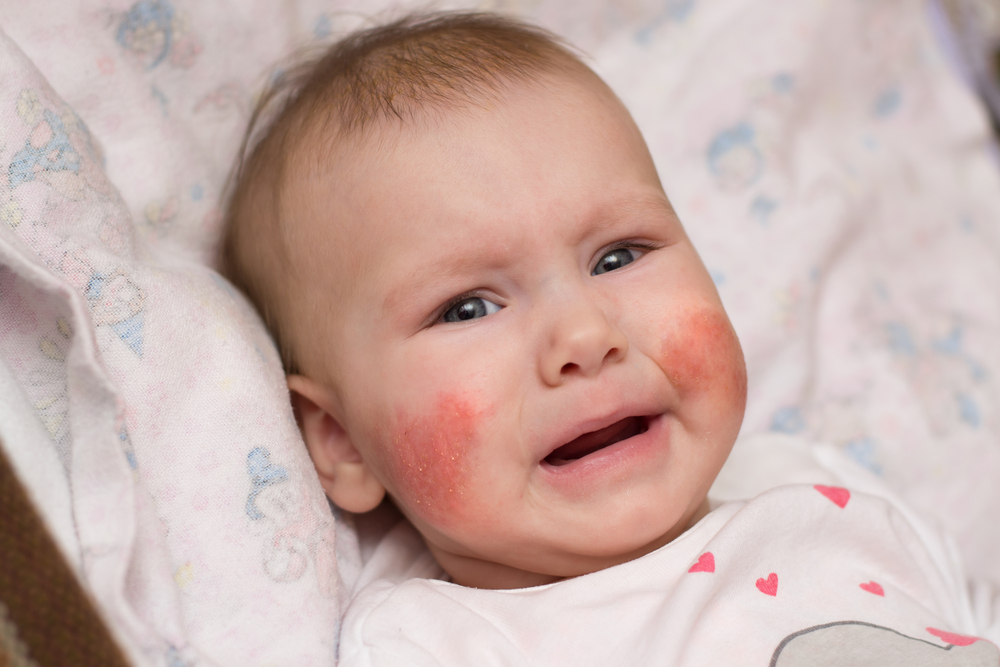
column 701, row 352
column 429, row 458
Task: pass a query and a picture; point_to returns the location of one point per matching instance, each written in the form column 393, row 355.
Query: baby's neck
column 477, row 573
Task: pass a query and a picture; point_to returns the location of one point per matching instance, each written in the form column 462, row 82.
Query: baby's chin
column 477, row 572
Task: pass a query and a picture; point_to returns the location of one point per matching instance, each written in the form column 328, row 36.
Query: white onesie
column 806, row 574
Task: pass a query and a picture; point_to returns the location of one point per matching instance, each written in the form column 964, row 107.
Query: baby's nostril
column 569, row 368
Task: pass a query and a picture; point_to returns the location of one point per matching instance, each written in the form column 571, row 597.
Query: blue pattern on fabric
column 788, row 420
column 968, row 410
column 57, row 154
column 762, row 207
column 862, row 450
column 887, row 102
column 130, row 331
column 144, row 19
column 900, row 339
column 262, row 474
column 733, row 157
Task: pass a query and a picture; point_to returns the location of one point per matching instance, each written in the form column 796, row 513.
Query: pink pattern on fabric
column 952, row 638
column 873, row 587
column 837, row 495
column 768, row 586
column 706, row 563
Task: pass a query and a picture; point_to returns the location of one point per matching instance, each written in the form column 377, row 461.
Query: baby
column 489, row 312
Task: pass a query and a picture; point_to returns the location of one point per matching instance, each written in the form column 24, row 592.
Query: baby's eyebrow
column 448, row 268
column 648, row 203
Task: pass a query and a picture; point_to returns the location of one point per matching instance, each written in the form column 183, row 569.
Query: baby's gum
column 430, row 457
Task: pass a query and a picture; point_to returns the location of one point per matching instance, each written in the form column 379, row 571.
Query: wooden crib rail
column 46, row 618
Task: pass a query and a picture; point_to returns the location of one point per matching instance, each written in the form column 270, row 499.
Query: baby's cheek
column 430, row 458
column 700, row 352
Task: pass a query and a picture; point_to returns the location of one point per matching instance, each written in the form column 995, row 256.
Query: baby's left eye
column 614, row 259
column 471, row 308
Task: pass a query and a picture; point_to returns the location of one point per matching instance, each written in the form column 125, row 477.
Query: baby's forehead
column 461, row 171
column 349, row 163
column 326, row 141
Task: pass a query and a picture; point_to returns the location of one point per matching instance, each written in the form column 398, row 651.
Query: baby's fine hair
column 384, row 74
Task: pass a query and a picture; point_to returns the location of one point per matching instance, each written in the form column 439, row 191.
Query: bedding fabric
column 196, row 517
column 829, row 164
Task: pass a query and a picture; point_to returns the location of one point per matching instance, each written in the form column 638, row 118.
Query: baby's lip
column 593, row 441
column 584, row 438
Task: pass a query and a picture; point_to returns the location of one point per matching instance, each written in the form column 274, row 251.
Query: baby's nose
column 582, row 341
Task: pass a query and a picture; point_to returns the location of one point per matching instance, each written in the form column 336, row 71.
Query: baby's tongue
column 589, row 443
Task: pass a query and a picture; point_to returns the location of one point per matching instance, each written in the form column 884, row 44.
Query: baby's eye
column 470, row 309
column 614, row 259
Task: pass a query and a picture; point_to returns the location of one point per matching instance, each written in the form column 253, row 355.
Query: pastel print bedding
column 831, row 167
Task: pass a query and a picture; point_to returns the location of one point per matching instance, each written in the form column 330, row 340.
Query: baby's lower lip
column 615, row 464
column 592, row 442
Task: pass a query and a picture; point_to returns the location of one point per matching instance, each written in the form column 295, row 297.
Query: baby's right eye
column 470, row 308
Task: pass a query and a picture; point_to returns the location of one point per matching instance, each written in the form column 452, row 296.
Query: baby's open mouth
column 588, row 443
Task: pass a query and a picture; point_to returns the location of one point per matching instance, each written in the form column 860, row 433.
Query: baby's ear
column 345, row 477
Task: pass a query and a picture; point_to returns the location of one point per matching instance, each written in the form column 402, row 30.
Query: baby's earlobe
column 354, row 488
column 345, row 477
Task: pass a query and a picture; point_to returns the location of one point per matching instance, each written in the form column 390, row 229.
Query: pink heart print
column 873, row 587
column 838, row 495
column 706, row 563
column 768, row 586
column 952, row 638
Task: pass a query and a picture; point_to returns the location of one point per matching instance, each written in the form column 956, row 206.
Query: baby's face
column 525, row 349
